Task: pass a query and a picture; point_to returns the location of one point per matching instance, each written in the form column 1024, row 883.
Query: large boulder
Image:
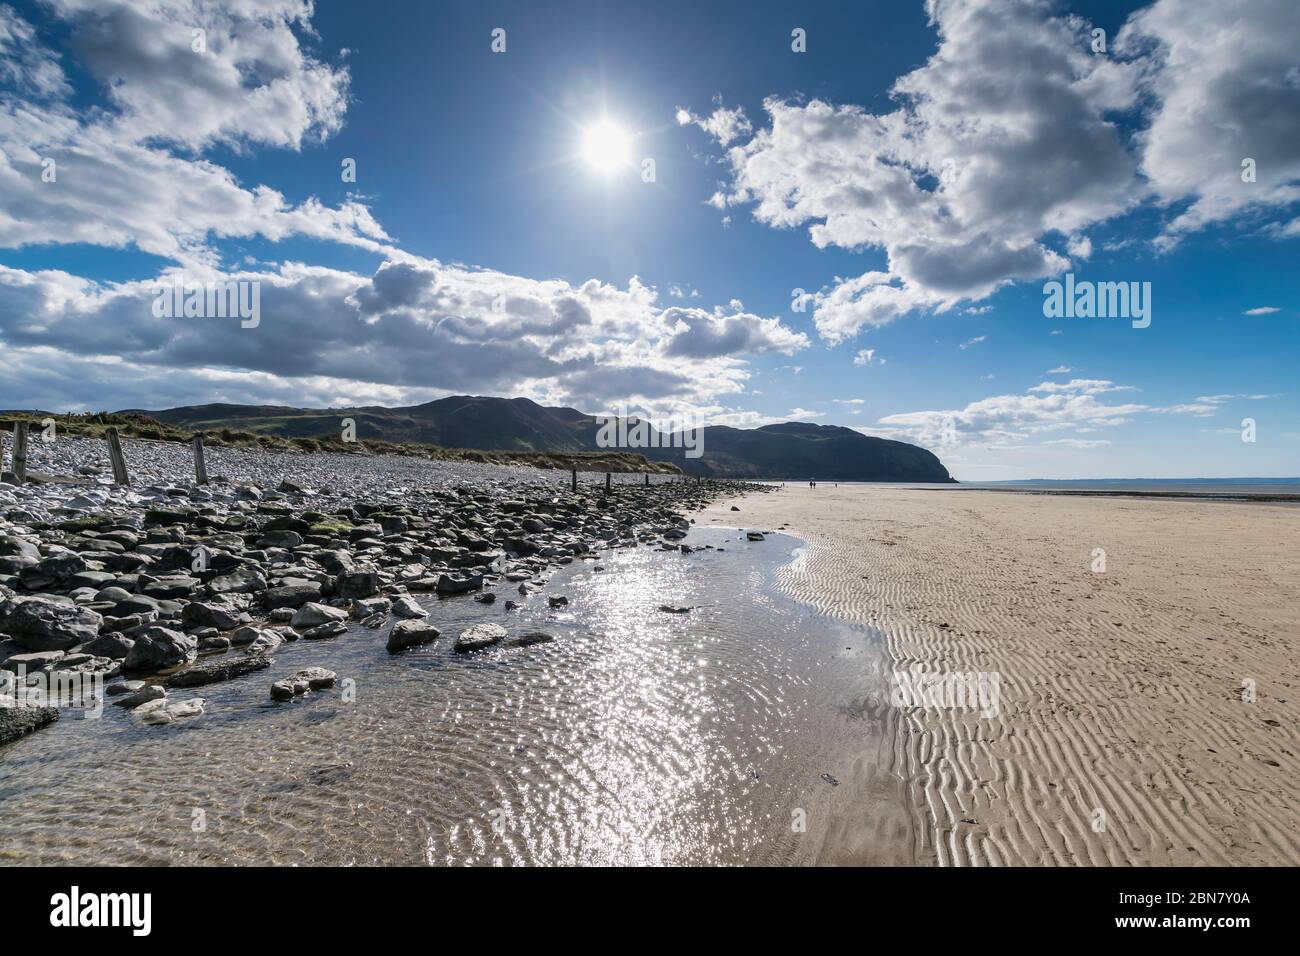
column 221, row 614
column 410, row 633
column 41, row 624
column 290, row 595
column 159, row 648
column 357, row 584
column 115, row 646
column 314, row 615
column 218, row 669
column 480, row 636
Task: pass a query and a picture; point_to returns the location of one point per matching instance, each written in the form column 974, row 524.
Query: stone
column 312, row 615
column 290, row 595
column 410, row 633
column 219, row 613
column 266, row 642
column 18, row 721
column 331, row 629
column 530, row 639
column 31, row 661
column 480, row 636
column 754, row 536
column 40, row 624
column 158, row 648
column 243, row 580
column 407, row 607
column 218, row 669
column 357, row 584
column 166, row 711
column 123, row 687
column 289, row 688
column 557, row 600
column 447, row 584
column 362, row 609
column 317, row 678
column 143, row 695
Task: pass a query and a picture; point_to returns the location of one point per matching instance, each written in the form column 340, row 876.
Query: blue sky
column 920, row 172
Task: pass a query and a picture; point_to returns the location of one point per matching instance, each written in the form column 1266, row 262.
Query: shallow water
column 747, row 731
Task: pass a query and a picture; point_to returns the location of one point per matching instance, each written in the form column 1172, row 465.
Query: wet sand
column 1125, row 733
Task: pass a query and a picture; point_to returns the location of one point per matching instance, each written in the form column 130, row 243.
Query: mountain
column 790, row 450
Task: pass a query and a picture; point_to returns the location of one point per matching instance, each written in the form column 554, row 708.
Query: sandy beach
column 1148, row 711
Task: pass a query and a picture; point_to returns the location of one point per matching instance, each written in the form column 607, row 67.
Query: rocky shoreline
column 169, row 585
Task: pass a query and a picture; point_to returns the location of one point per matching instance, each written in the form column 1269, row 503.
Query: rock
column 674, row 609
column 480, row 636
column 158, row 648
column 123, row 687
column 167, row 711
column 220, row 614
column 357, row 584
column 487, row 597
column 332, row 629
column 362, row 609
column 317, row 678
column 40, row 624
column 18, row 721
column 410, row 633
column 281, row 539
column 143, row 695
column 529, row 639
column 171, row 586
column 734, row 508
column 557, row 600
column 266, row 642
column 289, row 688
column 312, row 615
column 31, row 661
column 208, row 645
column 219, row 669
column 243, row 580
column 290, row 595
column 406, row 607
column 447, row 584
column 754, row 536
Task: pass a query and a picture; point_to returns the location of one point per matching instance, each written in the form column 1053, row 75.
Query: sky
column 838, row 213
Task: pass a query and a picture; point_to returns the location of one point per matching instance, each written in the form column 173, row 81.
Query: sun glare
column 605, row 146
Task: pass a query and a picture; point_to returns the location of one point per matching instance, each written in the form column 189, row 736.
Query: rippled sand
column 1123, row 736
column 751, row 730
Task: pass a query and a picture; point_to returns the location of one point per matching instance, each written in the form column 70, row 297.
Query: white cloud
column 1262, row 310
column 975, row 341
column 866, row 357
column 1004, row 143
column 1059, row 370
column 724, row 125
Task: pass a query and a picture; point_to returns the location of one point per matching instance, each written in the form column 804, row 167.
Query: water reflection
column 637, row 737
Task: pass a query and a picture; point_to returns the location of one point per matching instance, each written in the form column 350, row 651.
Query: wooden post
column 606, row 482
column 120, row 476
column 573, row 476
column 20, row 451
column 647, row 479
column 200, row 466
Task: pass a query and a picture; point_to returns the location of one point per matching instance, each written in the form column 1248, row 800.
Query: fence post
column 647, row 479
column 120, row 477
column 20, row 451
column 573, row 479
column 606, row 482
column 200, row 466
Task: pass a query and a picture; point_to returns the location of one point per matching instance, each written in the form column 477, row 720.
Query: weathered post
column 20, row 451
column 606, row 482
column 647, row 479
column 200, row 466
column 120, row 476
column 573, row 476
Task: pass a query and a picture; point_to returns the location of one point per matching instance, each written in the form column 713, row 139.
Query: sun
column 606, row 146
